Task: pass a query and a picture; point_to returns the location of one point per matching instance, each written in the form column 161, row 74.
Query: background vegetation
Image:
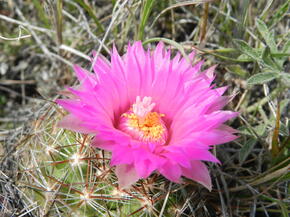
column 46, row 171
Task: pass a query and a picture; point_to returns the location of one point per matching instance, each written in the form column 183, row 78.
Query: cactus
column 62, row 175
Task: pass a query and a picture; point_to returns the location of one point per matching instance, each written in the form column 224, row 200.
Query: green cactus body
column 62, row 175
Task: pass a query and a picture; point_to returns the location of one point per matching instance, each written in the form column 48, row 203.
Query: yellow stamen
column 150, row 126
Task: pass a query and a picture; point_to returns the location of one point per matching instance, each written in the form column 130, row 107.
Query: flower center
column 143, row 124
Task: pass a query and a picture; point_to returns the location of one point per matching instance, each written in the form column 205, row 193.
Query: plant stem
column 204, row 21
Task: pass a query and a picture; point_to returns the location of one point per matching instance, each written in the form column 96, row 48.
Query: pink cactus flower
column 154, row 113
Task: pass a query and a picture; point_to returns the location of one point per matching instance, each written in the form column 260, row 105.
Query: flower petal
column 199, row 173
column 71, row 122
column 171, row 171
column 145, row 162
column 121, row 156
column 190, row 104
column 127, row 175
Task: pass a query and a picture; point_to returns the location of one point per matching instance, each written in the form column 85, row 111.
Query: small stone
column 3, row 68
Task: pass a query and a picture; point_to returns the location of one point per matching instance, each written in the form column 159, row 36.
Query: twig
column 204, row 21
column 15, row 39
column 264, row 100
column 37, row 39
column 9, row 82
column 40, row 43
column 84, row 24
column 23, row 94
column 12, row 92
column 241, row 100
column 59, row 21
column 29, row 211
column 28, row 25
column 165, row 200
column 223, row 205
column 74, row 51
column 108, row 29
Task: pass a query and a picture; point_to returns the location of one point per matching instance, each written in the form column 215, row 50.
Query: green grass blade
column 91, row 13
column 283, row 206
column 181, row 4
column 246, row 150
column 266, row 9
column 59, row 20
column 280, row 13
column 41, row 13
column 286, row 48
column 171, row 42
column 144, row 18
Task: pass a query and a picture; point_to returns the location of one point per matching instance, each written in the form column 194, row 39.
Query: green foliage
column 238, row 70
column 267, row 35
column 268, row 57
column 254, row 54
column 262, row 78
